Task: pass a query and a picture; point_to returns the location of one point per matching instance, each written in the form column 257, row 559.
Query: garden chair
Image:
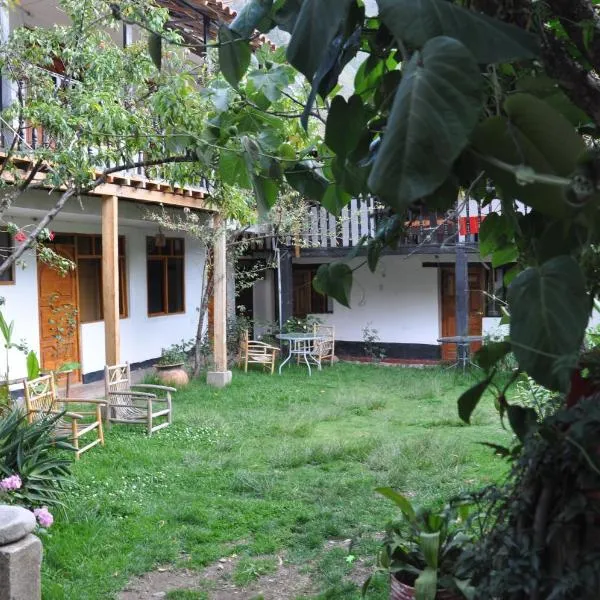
column 260, row 353
column 41, row 399
column 126, row 404
column 325, row 348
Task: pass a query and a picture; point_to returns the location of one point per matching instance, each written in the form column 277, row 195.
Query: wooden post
column 286, row 290
column 221, row 376
column 110, row 279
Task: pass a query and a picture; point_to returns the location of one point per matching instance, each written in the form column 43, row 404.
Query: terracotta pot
column 402, row 591
column 174, row 375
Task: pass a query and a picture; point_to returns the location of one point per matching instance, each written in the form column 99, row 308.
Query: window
column 6, row 245
column 89, row 276
column 306, row 300
column 166, row 274
column 496, row 292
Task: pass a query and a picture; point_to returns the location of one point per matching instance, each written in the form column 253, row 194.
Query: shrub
column 29, row 451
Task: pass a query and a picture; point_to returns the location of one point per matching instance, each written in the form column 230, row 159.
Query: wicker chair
column 259, row 353
column 41, row 399
column 126, row 404
column 325, row 348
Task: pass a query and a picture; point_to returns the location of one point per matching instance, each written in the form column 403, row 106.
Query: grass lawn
column 269, row 466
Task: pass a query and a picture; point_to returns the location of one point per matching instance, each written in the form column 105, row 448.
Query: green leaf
column 233, row 169
column 505, row 256
column 346, row 122
column 335, row 199
column 547, row 130
column 402, row 502
column 492, row 353
column 316, row 26
column 496, row 137
column 496, row 232
column 549, row 308
column 308, row 181
column 430, row 546
column 469, row 400
column 234, row 55
column 522, row 420
column 266, row 191
column 426, row 584
column 286, row 14
column 155, row 49
column 33, row 365
column 435, row 110
column 489, row 40
column 250, row 16
column 335, row 280
column 272, row 82
column 5, row 329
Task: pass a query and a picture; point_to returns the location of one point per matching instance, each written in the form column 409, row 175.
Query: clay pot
column 402, row 591
column 174, row 375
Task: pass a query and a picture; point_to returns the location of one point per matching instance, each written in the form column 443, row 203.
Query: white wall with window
column 144, row 328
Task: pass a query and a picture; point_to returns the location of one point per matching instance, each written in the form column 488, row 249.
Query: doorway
column 476, row 307
column 59, row 313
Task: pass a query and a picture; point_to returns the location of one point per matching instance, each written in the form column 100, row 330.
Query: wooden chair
column 259, row 353
column 126, row 404
column 41, row 399
column 324, row 349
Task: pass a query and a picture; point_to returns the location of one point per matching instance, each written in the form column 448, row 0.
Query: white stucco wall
column 400, row 300
column 142, row 337
column 263, row 300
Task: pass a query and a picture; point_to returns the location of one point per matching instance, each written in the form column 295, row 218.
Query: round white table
column 463, row 347
column 303, row 346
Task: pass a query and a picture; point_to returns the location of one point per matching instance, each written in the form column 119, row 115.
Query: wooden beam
column 110, row 279
column 220, row 297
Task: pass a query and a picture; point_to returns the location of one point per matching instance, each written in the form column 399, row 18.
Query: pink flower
column 11, row 483
column 51, row 235
column 20, row 236
column 44, row 517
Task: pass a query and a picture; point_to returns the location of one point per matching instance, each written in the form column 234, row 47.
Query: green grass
column 269, row 466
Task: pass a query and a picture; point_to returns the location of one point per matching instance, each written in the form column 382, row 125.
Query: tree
column 499, row 99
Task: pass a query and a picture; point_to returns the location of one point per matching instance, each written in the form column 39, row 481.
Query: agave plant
column 423, row 547
column 30, row 450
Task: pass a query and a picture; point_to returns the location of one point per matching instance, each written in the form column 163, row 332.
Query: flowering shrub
column 13, row 483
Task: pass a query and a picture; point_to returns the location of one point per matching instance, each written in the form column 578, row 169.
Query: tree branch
column 577, row 18
column 581, row 86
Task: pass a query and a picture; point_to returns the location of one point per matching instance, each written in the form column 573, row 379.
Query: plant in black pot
column 421, row 551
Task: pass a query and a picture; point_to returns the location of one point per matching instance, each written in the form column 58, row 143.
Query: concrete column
column 221, row 376
column 20, row 555
column 286, row 290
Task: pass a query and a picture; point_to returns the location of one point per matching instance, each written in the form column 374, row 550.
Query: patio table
column 303, row 346
column 462, row 348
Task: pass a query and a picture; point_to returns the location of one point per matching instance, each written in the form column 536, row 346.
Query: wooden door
column 476, row 307
column 59, row 314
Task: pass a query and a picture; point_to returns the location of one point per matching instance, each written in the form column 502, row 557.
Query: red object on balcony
column 474, row 223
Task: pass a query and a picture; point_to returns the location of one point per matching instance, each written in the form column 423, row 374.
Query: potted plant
column 421, row 552
column 170, row 366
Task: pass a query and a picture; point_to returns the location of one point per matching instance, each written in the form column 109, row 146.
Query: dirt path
column 286, row 583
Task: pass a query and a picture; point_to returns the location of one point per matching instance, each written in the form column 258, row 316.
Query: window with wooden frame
column 306, row 300
column 89, row 276
column 6, row 246
column 166, row 275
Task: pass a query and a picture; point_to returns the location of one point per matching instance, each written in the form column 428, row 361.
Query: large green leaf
column 155, row 49
column 489, row 40
column 522, row 420
column 549, row 308
column 469, row 400
column 234, row 55
column 335, row 199
column 307, row 180
column 233, row 169
column 547, row 130
column 346, row 122
column 272, row 82
column 496, row 137
column 435, row 110
column 426, row 583
column 33, row 365
column 250, row 17
column 335, row 280
column 401, row 501
column 316, row 26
